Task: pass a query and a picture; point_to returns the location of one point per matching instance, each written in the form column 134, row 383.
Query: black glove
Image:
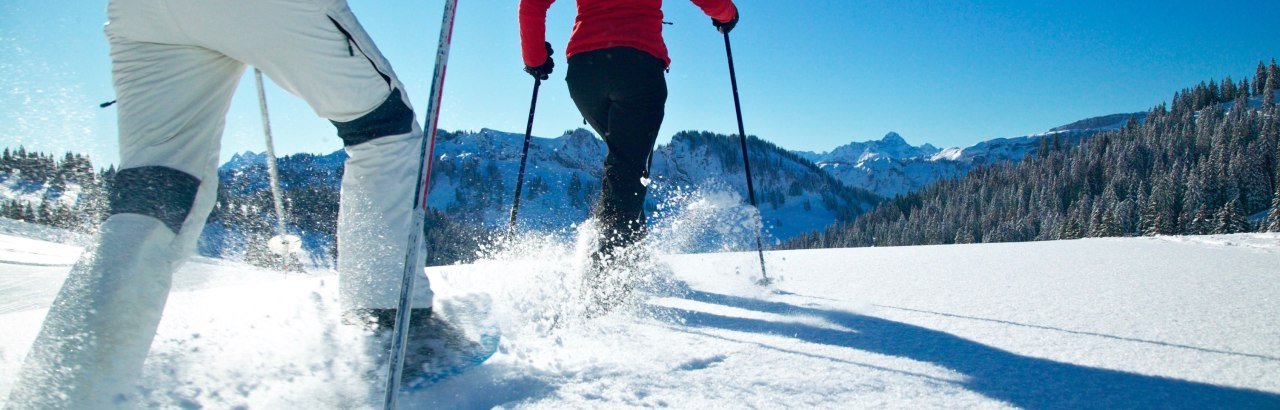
column 726, row 26
column 543, row 71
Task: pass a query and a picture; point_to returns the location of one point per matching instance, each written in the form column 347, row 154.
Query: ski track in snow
column 1180, row 322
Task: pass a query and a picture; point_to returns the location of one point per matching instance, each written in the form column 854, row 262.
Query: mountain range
column 891, row 166
column 474, row 174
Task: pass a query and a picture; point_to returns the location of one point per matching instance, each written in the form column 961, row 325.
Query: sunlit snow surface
column 1142, row 322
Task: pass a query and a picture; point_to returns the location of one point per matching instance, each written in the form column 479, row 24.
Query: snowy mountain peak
column 892, row 138
column 891, row 147
column 894, row 143
column 245, row 159
column 580, row 133
column 249, row 156
column 579, row 149
column 580, row 140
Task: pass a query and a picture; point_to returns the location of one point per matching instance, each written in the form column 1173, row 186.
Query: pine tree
column 1107, row 226
column 1148, row 221
column 1201, row 223
column 1273, row 218
column 1273, row 70
column 17, row 210
column 1228, row 89
column 1229, row 220
column 44, row 216
column 1269, row 90
column 1254, row 183
column 28, row 214
column 1272, row 223
column 1259, row 78
column 1160, row 217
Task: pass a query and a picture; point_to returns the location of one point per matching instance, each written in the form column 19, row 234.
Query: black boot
column 433, row 343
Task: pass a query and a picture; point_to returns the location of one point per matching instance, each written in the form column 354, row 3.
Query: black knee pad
column 163, row 193
column 393, row 117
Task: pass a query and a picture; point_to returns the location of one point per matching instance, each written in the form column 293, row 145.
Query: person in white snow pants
column 175, row 66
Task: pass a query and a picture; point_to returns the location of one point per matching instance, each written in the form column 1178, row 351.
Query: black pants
column 622, row 93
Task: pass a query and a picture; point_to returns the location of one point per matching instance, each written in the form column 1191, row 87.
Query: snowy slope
column 1179, row 322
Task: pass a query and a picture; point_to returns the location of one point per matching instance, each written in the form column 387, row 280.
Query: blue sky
column 814, row 74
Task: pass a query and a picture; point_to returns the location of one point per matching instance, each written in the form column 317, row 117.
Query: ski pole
column 277, row 196
column 412, row 255
column 524, row 155
column 746, row 163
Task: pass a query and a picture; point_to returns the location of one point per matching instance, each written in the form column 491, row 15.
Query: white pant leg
column 96, row 336
column 374, row 221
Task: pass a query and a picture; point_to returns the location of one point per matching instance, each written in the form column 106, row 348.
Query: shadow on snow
column 1019, row 380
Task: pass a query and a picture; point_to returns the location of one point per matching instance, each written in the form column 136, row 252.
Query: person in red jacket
column 616, row 78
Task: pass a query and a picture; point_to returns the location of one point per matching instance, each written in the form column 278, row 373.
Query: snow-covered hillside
column 474, row 175
column 793, row 193
column 1166, row 322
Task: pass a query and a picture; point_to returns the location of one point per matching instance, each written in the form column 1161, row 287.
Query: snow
column 1182, row 322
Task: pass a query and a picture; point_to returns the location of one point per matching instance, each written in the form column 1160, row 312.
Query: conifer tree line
column 1206, row 163
column 52, row 178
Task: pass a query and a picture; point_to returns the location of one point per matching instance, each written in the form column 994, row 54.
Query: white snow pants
column 176, row 64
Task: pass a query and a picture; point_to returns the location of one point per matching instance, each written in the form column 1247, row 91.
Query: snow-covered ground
column 1181, row 322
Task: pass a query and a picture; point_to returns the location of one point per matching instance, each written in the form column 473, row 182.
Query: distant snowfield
column 1183, row 322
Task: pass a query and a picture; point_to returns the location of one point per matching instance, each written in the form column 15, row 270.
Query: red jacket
column 607, row 23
